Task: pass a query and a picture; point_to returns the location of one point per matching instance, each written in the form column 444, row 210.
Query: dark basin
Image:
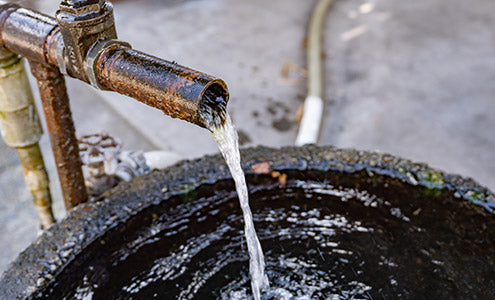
column 345, row 224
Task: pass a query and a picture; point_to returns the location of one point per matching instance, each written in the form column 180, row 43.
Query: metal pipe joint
column 91, row 52
column 82, row 42
column 82, row 24
column 105, row 62
column 92, row 59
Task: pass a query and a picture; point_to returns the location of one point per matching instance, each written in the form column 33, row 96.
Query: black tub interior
column 325, row 236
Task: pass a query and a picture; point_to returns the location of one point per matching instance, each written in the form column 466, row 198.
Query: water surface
column 326, row 236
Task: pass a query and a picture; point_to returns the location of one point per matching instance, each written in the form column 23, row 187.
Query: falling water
column 219, row 123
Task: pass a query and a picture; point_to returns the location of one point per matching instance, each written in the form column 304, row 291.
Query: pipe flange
column 93, row 55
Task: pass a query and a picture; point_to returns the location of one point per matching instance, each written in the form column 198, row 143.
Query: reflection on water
column 326, row 236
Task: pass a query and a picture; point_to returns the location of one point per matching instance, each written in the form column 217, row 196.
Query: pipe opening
column 213, row 105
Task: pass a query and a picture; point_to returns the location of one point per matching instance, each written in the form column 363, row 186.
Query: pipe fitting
column 82, row 24
column 92, row 59
column 178, row 91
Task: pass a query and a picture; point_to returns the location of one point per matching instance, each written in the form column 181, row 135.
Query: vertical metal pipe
column 37, row 180
column 21, row 129
column 60, row 126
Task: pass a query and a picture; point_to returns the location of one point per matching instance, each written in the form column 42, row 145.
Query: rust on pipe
column 82, row 23
column 60, row 126
column 176, row 90
column 29, row 33
column 24, row 31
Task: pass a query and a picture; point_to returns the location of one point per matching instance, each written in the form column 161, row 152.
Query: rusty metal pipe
column 58, row 117
column 25, row 32
column 34, row 35
column 29, row 33
column 176, row 90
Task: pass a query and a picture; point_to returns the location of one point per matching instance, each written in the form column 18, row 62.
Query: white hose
column 313, row 104
column 161, row 159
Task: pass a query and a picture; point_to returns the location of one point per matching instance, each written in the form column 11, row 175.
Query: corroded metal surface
column 24, row 31
column 35, row 267
column 62, row 133
column 82, row 24
column 174, row 89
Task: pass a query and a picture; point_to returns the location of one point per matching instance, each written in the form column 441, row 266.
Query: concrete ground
column 412, row 78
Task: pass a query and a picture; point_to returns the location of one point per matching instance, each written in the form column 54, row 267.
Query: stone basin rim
column 40, row 262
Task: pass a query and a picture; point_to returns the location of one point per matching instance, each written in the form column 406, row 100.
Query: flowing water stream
column 227, row 140
column 220, row 124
